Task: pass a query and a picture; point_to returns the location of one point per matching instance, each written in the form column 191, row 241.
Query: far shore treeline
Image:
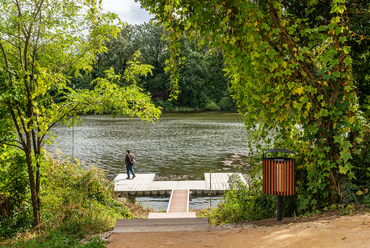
column 202, row 82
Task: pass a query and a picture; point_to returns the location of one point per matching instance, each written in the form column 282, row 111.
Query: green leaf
column 345, row 156
column 271, row 53
column 347, row 61
column 338, row 139
column 265, row 26
column 342, row 39
column 276, row 31
column 343, row 169
column 290, row 85
column 347, row 145
column 347, row 49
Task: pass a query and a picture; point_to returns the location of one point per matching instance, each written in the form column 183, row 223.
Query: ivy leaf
column 265, row 26
column 327, row 148
column 347, row 145
column 338, row 139
column 271, row 53
column 300, row 90
column 345, row 156
column 347, row 61
column 342, row 39
column 344, row 169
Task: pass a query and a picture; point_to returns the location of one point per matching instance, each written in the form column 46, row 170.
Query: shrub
column 74, row 194
column 226, row 103
column 165, row 105
column 244, row 202
column 15, row 211
column 76, row 202
column 211, row 105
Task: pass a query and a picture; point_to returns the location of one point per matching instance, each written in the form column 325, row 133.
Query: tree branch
column 17, row 126
column 7, row 64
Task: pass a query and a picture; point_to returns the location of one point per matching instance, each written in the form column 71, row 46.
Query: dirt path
column 319, row 231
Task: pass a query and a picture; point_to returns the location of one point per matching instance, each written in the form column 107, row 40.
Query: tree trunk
column 35, row 196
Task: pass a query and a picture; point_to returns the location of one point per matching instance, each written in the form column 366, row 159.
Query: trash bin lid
column 278, row 150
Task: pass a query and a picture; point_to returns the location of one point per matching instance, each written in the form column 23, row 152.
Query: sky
column 127, row 10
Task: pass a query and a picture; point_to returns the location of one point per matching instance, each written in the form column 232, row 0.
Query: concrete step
column 161, row 225
column 172, row 215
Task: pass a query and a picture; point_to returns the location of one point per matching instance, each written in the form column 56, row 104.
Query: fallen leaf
column 344, row 238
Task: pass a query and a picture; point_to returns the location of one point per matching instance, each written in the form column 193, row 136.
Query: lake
column 188, row 143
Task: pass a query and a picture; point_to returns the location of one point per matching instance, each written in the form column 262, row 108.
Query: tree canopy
column 291, row 75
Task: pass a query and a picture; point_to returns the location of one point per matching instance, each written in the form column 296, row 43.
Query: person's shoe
column 133, row 176
column 128, row 178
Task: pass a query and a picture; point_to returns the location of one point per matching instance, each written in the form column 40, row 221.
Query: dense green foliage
column 77, row 201
column 201, row 82
column 292, row 77
column 15, row 210
column 42, row 47
column 244, row 202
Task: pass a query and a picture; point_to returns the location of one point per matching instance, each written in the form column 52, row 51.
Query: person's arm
column 126, row 159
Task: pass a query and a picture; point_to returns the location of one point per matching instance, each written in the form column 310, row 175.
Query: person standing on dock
column 129, row 163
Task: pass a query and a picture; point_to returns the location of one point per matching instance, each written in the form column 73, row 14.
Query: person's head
column 128, row 151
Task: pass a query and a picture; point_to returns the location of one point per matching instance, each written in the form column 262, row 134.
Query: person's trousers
column 130, row 168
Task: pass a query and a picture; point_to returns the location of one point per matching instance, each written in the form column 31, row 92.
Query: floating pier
column 177, row 217
column 144, row 184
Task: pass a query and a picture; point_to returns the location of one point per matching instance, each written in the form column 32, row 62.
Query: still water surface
column 179, row 143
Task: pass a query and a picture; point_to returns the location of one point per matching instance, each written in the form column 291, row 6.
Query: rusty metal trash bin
column 279, row 177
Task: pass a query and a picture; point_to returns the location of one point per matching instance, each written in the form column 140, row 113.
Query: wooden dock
column 177, row 217
column 144, row 184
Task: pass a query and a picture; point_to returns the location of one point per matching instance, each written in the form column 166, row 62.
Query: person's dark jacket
column 127, row 160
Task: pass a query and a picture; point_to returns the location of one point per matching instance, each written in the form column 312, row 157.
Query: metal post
column 73, row 141
column 279, row 207
column 210, row 188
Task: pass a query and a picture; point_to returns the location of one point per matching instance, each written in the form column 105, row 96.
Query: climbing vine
column 290, row 67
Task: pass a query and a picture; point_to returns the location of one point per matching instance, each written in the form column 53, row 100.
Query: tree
column 42, row 45
column 291, row 72
column 201, row 81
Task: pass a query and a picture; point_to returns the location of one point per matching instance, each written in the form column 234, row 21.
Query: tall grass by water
column 78, row 203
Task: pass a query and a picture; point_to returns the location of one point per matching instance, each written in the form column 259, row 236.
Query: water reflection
column 160, row 203
column 179, row 143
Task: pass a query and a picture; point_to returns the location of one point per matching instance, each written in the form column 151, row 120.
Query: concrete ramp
column 161, row 225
